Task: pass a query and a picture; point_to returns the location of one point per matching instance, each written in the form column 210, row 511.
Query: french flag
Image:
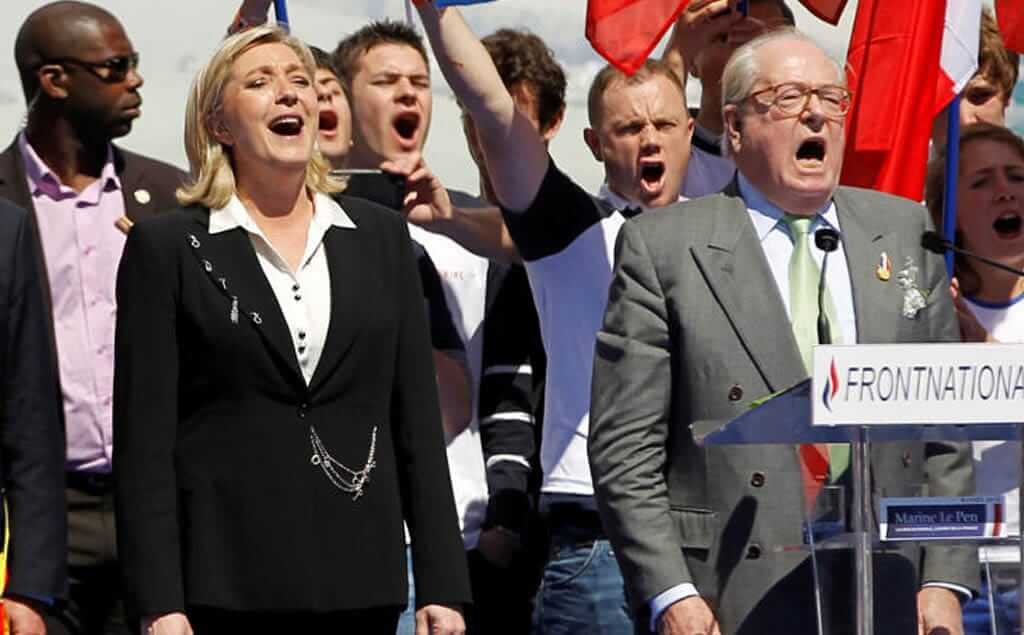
column 624, row 32
column 1010, row 14
column 906, row 63
column 961, row 36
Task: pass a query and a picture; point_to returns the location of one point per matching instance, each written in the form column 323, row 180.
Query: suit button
column 757, row 479
column 753, row 551
column 303, row 410
column 736, row 392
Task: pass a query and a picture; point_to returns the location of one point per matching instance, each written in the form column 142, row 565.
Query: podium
column 866, row 394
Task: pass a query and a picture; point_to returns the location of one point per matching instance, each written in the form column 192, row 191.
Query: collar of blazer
column 136, row 188
column 229, row 261
column 734, row 266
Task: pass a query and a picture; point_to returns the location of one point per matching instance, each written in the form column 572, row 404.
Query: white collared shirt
column 304, row 296
column 773, row 234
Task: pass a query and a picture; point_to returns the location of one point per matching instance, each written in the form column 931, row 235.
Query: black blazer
column 218, row 503
column 31, row 434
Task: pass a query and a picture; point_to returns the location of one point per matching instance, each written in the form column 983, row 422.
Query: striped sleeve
column 511, row 373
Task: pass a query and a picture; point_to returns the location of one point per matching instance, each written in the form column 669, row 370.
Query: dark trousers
column 94, row 605
column 378, row 621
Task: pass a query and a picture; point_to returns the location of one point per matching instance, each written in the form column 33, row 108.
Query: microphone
column 935, row 243
column 827, row 240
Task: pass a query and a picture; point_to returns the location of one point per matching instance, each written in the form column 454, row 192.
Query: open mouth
column 328, row 121
column 651, row 175
column 1008, row 225
column 811, row 152
column 287, row 125
column 406, row 126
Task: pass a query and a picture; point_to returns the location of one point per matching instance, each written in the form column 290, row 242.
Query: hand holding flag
column 251, row 13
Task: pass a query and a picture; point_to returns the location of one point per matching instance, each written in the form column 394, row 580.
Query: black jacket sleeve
column 31, row 431
column 145, row 424
column 438, row 556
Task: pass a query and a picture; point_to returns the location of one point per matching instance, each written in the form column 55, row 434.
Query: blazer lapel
column 230, row 261
column 138, row 197
column 345, row 257
column 734, row 266
column 863, row 244
column 13, row 185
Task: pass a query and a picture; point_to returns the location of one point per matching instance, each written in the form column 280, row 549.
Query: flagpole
column 952, row 171
column 281, row 14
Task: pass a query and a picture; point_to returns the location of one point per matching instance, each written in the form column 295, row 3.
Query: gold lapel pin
column 884, row 269
column 142, row 196
column 124, row 224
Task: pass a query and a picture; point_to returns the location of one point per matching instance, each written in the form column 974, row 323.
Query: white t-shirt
column 997, row 463
column 567, row 240
column 464, row 279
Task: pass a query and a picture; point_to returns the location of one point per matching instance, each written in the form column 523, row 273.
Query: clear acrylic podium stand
column 786, row 419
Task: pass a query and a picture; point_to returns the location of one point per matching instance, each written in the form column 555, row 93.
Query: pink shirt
column 82, row 249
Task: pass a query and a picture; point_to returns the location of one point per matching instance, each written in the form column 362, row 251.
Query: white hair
column 742, row 71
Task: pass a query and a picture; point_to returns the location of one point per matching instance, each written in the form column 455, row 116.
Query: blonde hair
column 213, row 178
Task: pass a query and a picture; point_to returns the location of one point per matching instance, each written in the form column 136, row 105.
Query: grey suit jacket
column 694, row 331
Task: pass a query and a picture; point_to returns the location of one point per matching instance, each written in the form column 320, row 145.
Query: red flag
column 828, row 10
column 624, row 32
column 1010, row 14
column 893, row 71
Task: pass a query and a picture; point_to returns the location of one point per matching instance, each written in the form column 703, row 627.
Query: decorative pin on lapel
column 884, row 269
column 913, row 298
column 142, row 196
column 124, row 224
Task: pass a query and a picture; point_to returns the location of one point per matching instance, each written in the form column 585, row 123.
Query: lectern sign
column 918, row 384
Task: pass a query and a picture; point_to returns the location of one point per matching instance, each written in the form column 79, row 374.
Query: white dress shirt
column 303, row 295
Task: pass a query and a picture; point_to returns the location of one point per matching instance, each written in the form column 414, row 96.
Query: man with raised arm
column 641, row 132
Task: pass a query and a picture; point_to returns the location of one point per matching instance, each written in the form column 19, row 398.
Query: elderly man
column 713, row 304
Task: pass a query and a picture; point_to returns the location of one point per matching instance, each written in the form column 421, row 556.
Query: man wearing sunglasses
column 714, row 305
column 80, row 77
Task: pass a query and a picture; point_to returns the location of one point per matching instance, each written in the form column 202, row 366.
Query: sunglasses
column 111, row 70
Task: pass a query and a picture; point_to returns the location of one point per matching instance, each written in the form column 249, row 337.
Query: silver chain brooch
column 341, row 476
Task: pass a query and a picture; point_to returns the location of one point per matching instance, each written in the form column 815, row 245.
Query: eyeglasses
column 111, row 70
column 793, row 98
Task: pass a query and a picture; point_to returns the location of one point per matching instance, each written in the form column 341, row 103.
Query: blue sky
column 175, row 36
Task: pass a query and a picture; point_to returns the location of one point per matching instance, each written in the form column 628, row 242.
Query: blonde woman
column 990, row 306
column 275, row 409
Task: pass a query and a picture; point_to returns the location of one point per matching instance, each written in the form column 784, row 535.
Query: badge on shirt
column 142, row 196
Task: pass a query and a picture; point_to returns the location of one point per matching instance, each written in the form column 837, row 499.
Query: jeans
column 582, row 591
column 1006, row 607
column 407, row 621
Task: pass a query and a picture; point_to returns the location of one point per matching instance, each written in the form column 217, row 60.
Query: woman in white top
column 990, row 305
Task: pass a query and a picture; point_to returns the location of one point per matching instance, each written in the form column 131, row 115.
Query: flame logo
column 831, row 386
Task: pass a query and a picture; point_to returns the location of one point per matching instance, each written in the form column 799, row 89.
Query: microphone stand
column 935, row 243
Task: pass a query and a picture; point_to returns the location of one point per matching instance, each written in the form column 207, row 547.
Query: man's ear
column 733, row 127
column 53, row 81
column 590, row 138
column 555, row 126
